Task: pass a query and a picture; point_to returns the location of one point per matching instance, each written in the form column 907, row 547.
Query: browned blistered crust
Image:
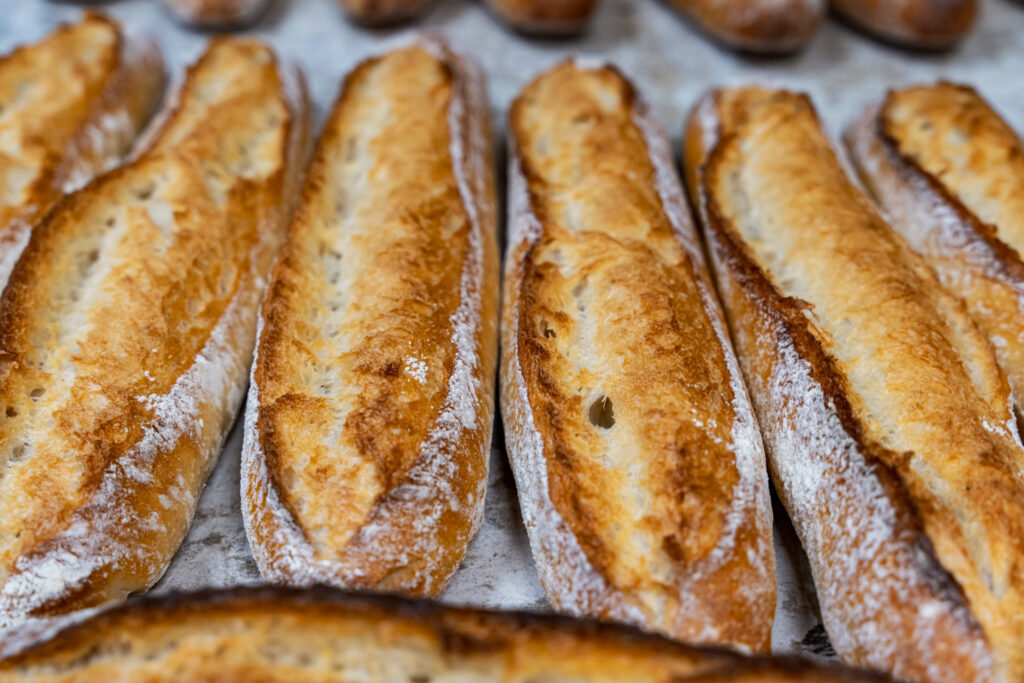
column 126, row 332
column 72, row 104
column 217, row 13
column 321, row 635
column 928, row 24
column 956, row 495
column 604, row 318
column 950, row 173
column 363, row 363
column 762, row 26
column 379, row 12
column 545, row 16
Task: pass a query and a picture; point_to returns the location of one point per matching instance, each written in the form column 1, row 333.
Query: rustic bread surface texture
column 126, row 333
column 927, row 24
column 545, row 16
column 217, row 13
column 70, row 107
column 639, row 466
column 371, row 405
column 950, row 174
column 887, row 420
column 266, row 635
column 382, row 12
column 762, row 26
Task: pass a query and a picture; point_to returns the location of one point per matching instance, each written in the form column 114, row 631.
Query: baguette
column 950, row 174
column 545, row 17
column 70, row 107
column 758, row 26
column 370, row 410
column 126, row 332
column 921, row 24
column 383, row 12
column 640, row 469
column 887, row 421
column 219, row 14
column 272, row 634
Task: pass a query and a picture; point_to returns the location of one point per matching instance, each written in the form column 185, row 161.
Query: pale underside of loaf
column 949, row 173
column 767, row 26
column 125, row 334
column 70, row 107
column 884, row 411
column 319, row 635
column 371, row 405
column 217, row 13
column 639, row 467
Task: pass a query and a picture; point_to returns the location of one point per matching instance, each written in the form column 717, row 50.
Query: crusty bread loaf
column 640, row 469
column 887, row 420
column 278, row 635
column 217, row 13
column 761, row 26
column 949, row 172
column 546, row 17
column 369, row 420
column 126, row 331
column 923, row 24
column 380, row 12
column 70, row 107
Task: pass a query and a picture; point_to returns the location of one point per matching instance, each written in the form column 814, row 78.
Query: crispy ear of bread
column 949, row 173
column 321, row 635
column 923, row 24
column 70, row 107
column 126, row 332
column 383, row 12
column 545, row 17
column 759, row 26
column 369, row 419
column 887, row 420
column 639, row 465
column 217, row 13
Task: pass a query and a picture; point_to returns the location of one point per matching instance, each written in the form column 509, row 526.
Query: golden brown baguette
column 760, row 26
column 380, row 12
column 923, row 24
column 545, row 17
column 887, row 420
column 640, row 469
column 949, row 172
column 126, row 331
column 279, row 635
column 217, row 13
column 70, row 107
column 369, row 419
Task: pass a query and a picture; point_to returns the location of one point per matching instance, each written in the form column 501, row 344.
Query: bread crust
column 125, row 334
column 758, row 26
column 217, row 14
column 545, row 17
column 904, row 542
column 964, row 217
column 384, row 12
column 321, row 635
column 640, row 471
column 922, row 24
column 371, row 404
column 73, row 104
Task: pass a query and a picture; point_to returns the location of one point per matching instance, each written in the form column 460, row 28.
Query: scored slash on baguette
column 321, row 635
column 368, row 426
column 949, row 172
column 639, row 466
column 886, row 418
column 126, row 331
column 70, row 107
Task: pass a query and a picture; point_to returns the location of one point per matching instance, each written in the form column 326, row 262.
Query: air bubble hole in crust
column 37, row 393
column 602, row 413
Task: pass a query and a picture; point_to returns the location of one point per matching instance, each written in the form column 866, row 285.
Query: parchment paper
column 672, row 64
